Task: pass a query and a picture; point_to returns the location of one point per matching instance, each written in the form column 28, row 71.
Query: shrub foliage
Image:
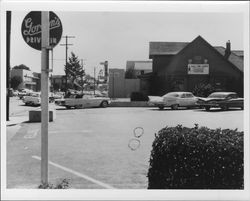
column 203, row 90
column 63, row 184
column 196, row 158
column 138, row 96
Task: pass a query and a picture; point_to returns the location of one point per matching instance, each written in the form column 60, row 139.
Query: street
column 90, row 147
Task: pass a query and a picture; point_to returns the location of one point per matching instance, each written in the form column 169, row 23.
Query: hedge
column 196, row 158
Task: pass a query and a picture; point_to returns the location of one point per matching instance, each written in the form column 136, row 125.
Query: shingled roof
column 173, row 48
column 165, row 48
column 239, row 53
column 233, row 58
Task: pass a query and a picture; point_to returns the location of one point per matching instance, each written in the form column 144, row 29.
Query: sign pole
column 8, row 31
column 44, row 97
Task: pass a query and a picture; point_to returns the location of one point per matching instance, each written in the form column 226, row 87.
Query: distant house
column 137, row 68
column 180, row 66
column 30, row 80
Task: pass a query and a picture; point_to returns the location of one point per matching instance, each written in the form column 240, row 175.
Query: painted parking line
column 77, row 174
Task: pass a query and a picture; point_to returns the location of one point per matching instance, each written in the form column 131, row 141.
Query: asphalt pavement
column 97, row 148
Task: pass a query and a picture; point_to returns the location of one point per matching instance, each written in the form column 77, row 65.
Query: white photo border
column 126, row 6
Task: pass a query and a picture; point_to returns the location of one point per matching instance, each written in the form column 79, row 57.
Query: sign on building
column 198, row 69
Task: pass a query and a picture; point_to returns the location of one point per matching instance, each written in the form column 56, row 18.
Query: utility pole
column 66, row 58
column 94, row 80
column 82, row 74
column 8, row 31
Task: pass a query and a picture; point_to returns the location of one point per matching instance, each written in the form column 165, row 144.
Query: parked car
column 32, row 99
column 83, row 101
column 174, row 100
column 223, row 100
column 24, row 92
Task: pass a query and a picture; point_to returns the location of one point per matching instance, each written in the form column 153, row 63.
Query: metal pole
column 52, row 65
column 82, row 74
column 44, row 97
column 8, row 31
column 113, row 85
column 94, row 80
column 66, row 64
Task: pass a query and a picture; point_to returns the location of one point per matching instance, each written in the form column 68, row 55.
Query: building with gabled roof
column 181, row 66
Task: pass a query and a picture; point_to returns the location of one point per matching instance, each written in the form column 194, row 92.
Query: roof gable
column 160, row 48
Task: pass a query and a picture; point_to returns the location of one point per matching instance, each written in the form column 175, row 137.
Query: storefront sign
column 198, row 69
column 31, row 29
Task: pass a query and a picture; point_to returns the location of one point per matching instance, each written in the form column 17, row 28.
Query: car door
column 170, row 99
column 190, row 99
column 183, row 100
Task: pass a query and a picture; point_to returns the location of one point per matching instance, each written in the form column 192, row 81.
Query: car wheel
column 207, row 108
column 161, row 107
column 224, row 107
column 174, row 107
column 104, row 104
column 242, row 108
column 78, row 106
column 67, row 107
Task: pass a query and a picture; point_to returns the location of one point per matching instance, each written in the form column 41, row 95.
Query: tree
column 73, row 70
column 15, row 81
column 21, row 66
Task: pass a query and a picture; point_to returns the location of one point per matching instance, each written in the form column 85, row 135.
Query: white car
column 83, row 101
column 32, row 99
column 174, row 100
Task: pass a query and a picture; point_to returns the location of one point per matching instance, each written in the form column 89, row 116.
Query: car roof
column 224, row 93
column 179, row 92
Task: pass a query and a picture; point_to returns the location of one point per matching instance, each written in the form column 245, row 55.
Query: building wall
column 173, row 74
column 58, row 82
column 131, row 85
column 139, row 67
column 119, row 87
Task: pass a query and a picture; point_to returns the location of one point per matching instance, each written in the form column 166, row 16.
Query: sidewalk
column 15, row 120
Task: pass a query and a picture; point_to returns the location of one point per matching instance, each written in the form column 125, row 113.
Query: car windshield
column 217, row 95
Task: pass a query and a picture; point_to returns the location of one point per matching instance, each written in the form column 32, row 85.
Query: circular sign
column 32, row 29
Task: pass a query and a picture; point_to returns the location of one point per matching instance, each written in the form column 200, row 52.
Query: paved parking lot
column 90, row 146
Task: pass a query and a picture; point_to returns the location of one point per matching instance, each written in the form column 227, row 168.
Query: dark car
column 223, row 100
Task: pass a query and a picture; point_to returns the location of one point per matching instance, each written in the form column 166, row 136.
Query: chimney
column 228, row 49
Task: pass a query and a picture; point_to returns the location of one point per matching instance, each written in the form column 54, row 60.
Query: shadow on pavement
column 217, row 110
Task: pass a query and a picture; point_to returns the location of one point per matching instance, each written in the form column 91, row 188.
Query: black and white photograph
column 136, row 100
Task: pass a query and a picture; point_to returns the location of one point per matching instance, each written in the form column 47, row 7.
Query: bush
column 138, row 96
column 196, row 158
column 203, row 90
column 63, row 184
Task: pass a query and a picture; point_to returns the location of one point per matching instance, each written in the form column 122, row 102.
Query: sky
column 121, row 36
